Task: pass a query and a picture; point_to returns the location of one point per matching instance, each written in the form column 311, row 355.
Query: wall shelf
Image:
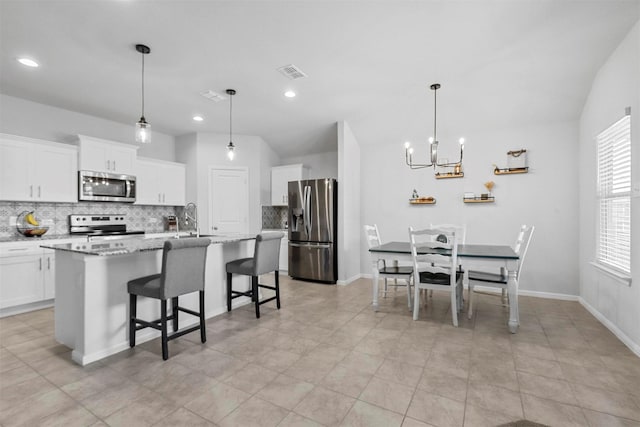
column 423, row 201
column 449, row 175
column 498, row 171
column 490, row 199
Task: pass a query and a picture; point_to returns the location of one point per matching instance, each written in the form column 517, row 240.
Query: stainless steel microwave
column 106, row 187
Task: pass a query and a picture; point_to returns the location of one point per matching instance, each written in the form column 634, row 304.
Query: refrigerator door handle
column 310, row 245
column 307, row 210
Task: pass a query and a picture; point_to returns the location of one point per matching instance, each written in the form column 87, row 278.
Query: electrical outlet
column 12, row 220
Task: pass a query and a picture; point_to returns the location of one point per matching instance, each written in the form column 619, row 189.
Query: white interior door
column 229, row 200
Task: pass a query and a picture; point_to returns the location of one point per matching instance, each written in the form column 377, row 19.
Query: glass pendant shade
column 143, row 131
column 230, row 151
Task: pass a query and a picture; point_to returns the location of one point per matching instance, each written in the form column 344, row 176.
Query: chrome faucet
column 194, row 218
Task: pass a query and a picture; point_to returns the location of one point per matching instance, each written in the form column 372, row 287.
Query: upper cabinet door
column 280, row 177
column 36, row 170
column 15, row 161
column 106, row 156
column 56, row 174
column 160, row 183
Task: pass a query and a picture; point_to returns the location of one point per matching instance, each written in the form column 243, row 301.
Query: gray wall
column 616, row 86
column 25, row 118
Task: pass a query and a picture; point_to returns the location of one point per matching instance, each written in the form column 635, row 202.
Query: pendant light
column 433, row 144
column 143, row 129
column 230, row 146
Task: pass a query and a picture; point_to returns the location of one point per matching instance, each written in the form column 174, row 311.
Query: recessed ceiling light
column 198, row 118
column 28, row 62
column 290, row 94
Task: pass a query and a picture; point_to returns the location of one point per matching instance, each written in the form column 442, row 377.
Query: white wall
column 349, row 186
column 26, row 118
column 616, row 86
column 322, row 165
column 545, row 197
column 210, row 150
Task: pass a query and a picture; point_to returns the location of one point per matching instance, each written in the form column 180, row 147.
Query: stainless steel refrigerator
column 313, row 230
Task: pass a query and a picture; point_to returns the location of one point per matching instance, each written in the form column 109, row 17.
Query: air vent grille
column 213, row 96
column 292, row 72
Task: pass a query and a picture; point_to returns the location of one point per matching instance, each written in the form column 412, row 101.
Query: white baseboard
column 19, row 309
column 349, row 280
column 526, row 293
column 634, row 347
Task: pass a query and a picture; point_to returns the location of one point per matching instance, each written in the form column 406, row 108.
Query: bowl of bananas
column 29, row 226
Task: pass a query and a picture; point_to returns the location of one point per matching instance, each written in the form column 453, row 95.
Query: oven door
column 106, row 187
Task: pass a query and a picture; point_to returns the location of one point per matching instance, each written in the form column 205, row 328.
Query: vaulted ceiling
column 500, row 63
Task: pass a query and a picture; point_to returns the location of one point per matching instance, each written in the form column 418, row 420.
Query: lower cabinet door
column 313, row 261
column 20, row 280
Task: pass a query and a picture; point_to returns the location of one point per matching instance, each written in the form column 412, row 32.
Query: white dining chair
column 389, row 269
column 499, row 279
column 461, row 234
column 436, row 271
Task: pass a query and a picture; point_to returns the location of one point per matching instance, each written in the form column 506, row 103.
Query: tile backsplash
column 56, row 215
column 274, row 217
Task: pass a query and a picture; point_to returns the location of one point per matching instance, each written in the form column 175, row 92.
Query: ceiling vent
column 213, row 96
column 292, row 72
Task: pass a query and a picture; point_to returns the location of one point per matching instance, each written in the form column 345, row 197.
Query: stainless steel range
column 104, row 227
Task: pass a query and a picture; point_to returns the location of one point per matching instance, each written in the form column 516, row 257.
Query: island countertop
column 134, row 245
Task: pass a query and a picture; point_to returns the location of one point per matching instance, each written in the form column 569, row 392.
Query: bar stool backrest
column 266, row 257
column 183, row 266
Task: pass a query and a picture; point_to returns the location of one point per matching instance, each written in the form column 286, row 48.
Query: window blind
column 614, row 195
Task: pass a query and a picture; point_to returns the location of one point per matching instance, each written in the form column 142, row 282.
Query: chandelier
column 433, row 144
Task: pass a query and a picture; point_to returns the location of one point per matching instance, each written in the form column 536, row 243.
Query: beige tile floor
column 327, row 359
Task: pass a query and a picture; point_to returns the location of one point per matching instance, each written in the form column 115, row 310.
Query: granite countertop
column 15, row 237
column 129, row 246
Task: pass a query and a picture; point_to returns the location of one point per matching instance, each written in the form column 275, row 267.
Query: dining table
column 470, row 257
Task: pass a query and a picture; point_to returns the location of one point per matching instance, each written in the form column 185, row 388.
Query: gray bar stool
column 183, row 268
column 265, row 260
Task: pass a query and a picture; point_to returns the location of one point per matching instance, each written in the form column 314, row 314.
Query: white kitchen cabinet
column 160, row 183
column 37, row 170
column 280, row 177
column 100, row 155
column 283, row 262
column 27, row 275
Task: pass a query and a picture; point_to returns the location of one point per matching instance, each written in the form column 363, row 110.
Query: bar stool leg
column 203, row 330
column 132, row 319
column 174, row 309
column 254, row 294
column 229, row 279
column 163, row 325
column 277, row 290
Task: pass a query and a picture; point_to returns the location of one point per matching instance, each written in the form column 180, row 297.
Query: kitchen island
column 91, row 304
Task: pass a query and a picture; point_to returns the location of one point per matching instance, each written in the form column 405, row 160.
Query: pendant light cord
column 143, row 85
column 230, row 116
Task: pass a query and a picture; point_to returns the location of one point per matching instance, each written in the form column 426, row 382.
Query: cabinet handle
column 48, row 263
column 17, row 249
column 40, row 263
column 164, row 197
column 159, row 198
column 107, row 162
column 114, row 165
column 31, row 191
column 39, row 192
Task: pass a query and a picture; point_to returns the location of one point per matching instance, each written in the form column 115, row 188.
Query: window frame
column 613, row 199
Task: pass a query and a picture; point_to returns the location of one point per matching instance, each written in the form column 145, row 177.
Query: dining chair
column 433, row 269
column 461, row 233
column 394, row 271
column 183, row 272
column 499, row 280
